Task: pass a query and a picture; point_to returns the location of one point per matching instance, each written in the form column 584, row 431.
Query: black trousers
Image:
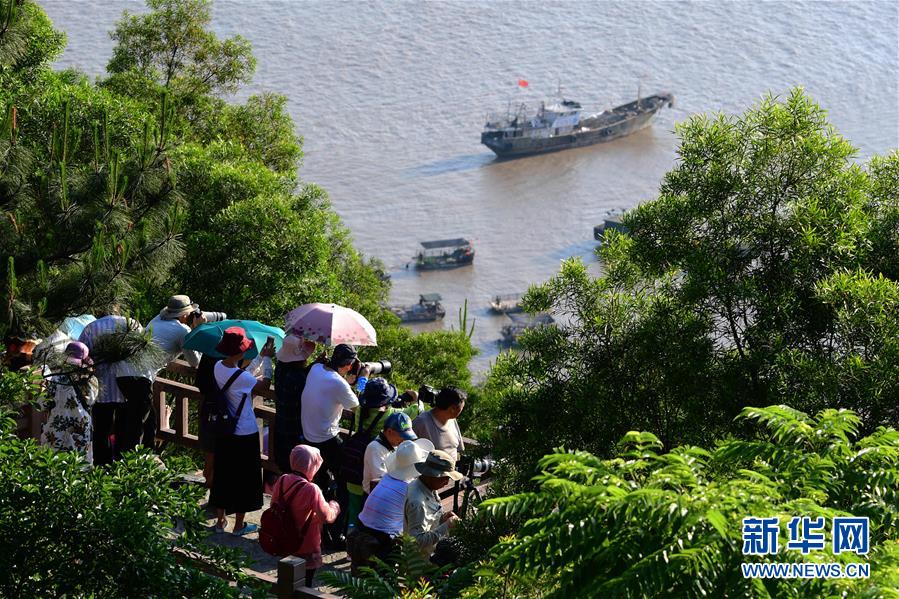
column 331, row 483
column 138, row 410
column 107, row 421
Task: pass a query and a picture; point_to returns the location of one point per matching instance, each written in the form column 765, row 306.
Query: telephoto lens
column 374, row 368
column 214, row 316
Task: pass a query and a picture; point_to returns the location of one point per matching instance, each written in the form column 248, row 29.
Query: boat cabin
column 444, row 253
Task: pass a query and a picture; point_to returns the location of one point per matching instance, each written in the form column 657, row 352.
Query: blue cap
column 378, row 392
column 401, row 423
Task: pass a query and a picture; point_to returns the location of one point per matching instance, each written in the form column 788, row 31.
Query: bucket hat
column 439, row 463
column 378, row 392
column 234, row 341
column 178, row 305
column 402, row 463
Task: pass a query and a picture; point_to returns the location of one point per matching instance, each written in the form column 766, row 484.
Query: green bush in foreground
column 652, row 524
column 67, row 529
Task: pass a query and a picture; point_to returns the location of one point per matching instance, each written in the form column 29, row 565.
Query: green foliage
column 28, row 44
column 761, row 274
column 172, row 46
column 75, row 235
column 262, row 127
column 652, row 524
column 72, row 530
column 412, row 577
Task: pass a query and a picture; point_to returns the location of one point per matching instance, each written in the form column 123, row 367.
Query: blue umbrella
column 73, row 325
column 205, row 337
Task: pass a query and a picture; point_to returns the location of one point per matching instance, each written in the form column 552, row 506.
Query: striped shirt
column 384, row 507
column 107, row 373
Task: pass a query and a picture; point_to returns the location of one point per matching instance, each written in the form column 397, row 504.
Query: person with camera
column 290, row 380
column 381, row 521
column 237, row 477
column 424, row 518
column 377, row 403
column 439, row 423
column 168, row 330
column 326, row 394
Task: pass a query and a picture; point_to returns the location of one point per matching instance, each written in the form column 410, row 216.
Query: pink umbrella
column 330, row 324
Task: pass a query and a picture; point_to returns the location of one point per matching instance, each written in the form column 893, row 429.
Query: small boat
column 521, row 323
column 427, row 309
column 444, row 253
column 506, row 304
column 613, row 222
column 560, row 125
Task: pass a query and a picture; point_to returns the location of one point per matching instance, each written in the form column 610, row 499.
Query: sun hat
column 343, row 354
column 295, row 349
column 401, row 423
column 178, row 305
column 439, row 463
column 234, row 341
column 402, row 463
column 77, row 354
column 378, row 392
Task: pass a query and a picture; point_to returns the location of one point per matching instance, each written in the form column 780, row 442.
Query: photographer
column 378, row 402
column 424, row 518
column 439, row 423
column 168, row 329
column 326, row 394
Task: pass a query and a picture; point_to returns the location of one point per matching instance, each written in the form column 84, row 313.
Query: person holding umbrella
column 237, row 478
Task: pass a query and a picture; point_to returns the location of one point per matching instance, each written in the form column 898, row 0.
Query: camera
column 209, row 316
column 374, row 368
column 427, row 394
column 477, row 467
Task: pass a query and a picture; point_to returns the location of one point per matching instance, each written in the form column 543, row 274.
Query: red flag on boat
column 522, row 83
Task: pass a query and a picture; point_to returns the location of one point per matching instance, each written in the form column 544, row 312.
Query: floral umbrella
column 330, row 324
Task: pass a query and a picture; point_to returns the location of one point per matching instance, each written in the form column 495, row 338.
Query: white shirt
column 243, row 385
column 169, row 336
column 325, row 396
column 374, row 463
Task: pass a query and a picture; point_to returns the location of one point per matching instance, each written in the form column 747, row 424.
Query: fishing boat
column 427, row 309
column 613, row 222
column 560, row 125
column 506, row 304
column 521, row 323
column 444, row 253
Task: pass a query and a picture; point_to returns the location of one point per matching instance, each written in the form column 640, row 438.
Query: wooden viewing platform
column 176, row 405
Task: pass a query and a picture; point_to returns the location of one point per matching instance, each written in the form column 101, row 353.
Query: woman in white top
column 237, row 478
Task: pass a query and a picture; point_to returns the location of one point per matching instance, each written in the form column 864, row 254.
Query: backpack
column 278, row 534
column 352, row 466
column 218, row 418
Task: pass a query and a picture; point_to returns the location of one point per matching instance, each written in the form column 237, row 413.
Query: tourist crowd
column 360, row 492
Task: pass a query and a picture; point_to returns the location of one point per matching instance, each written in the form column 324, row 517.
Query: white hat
column 295, row 349
column 401, row 462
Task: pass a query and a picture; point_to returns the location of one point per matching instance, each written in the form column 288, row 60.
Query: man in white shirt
column 326, row 394
column 397, row 428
